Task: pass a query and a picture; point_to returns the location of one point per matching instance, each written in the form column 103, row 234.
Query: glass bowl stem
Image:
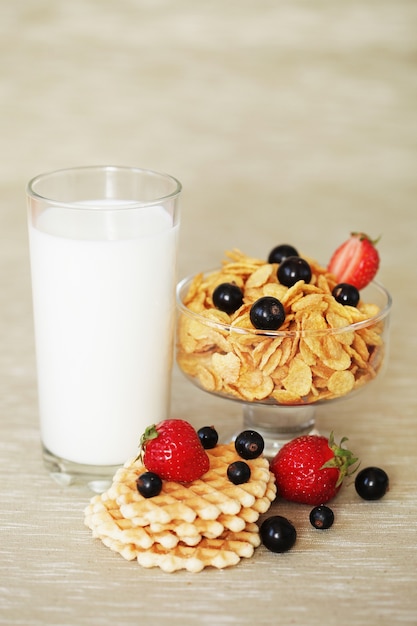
column 278, row 424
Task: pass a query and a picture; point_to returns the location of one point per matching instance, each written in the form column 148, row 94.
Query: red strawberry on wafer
column 172, row 449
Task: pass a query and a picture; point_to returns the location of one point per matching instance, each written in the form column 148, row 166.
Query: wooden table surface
column 286, row 121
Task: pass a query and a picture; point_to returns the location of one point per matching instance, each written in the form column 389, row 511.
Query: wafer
column 206, row 498
column 220, row 553
column 209, row 522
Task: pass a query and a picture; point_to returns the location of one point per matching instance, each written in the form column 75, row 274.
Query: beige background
column 285, row 120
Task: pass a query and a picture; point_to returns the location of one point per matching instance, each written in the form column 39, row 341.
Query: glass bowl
column 281, row 376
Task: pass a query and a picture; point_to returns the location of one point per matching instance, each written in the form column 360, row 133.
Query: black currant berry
column 149, row 484
column 293, row 269
column 238, row 472
column 321, row 517
column 227, row 297
column 208, row 437
column 249, row 444
column 278, row 534
column 372, row 483
column 346, row 294
column 281, row 252
column 267, row 313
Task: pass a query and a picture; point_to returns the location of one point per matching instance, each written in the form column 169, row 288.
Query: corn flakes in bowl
column 280, row 350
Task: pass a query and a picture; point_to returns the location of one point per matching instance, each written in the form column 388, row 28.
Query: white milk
column 104, row 317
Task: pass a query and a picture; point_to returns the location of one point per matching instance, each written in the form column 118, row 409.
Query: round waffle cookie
column 208, row 522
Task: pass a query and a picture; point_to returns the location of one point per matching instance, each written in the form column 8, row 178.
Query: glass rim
column 371, row 321
column 129, row 205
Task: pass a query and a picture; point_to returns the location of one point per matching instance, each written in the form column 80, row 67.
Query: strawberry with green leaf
column 310, row 469
column 172, row 449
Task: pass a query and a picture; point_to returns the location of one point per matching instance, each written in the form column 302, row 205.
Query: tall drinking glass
column 103, row 245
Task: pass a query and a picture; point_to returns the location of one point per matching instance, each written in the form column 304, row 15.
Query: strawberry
column 310, row 469
column 173, row 450
column 356, row 261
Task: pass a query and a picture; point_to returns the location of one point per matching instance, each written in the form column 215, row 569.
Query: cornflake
column 300, row 363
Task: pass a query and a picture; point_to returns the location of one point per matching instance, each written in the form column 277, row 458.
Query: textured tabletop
column 286, row 121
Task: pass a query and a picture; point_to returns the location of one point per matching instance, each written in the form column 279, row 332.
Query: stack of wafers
column 208, row 522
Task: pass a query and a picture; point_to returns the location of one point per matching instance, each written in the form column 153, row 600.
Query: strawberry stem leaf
column 362, row 236
column 343, row 459
column 150, row 433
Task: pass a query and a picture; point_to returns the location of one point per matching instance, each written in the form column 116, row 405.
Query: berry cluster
column 310, row 470
column 295, row 467
column 267, row 313
column 249, row 445
column 279, row 534
column 160, row 461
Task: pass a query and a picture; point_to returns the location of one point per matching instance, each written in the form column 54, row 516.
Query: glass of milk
column 103, row 246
